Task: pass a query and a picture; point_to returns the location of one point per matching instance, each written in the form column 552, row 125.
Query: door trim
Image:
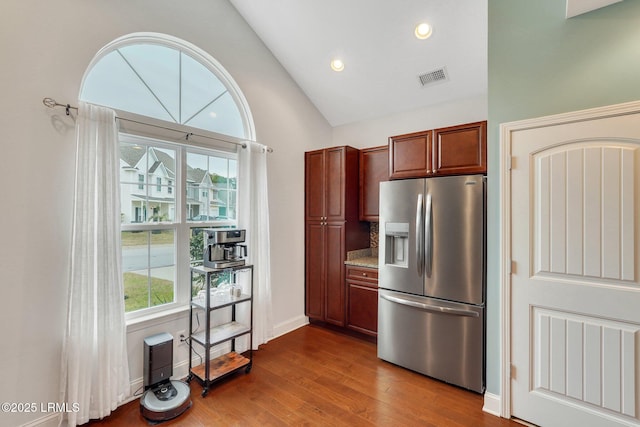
column 504, row 217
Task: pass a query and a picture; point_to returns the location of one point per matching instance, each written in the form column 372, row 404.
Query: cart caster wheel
column 205, row 392
column 189, row 378
column 247, row 369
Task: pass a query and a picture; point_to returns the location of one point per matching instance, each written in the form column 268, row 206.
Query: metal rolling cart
column 212, row 370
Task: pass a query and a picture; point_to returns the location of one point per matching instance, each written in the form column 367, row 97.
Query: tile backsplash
column 373, row 234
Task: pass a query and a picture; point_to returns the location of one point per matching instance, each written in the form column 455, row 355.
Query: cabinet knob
column 364, row 274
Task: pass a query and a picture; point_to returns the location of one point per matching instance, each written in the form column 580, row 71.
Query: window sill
column 164, row 316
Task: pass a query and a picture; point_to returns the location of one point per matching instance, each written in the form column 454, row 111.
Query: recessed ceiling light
column 423, row 30
column 337, row 65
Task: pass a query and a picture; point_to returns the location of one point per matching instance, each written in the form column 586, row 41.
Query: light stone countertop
column 363, row 258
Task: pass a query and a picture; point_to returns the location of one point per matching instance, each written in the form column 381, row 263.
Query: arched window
column 169, row 190
column 170, row 80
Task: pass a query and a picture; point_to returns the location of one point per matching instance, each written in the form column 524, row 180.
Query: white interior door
column 575, row 288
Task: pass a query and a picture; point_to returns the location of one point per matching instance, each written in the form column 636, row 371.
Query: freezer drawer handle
column 426, row 307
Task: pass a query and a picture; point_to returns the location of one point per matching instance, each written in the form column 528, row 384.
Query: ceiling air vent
column 434, row 76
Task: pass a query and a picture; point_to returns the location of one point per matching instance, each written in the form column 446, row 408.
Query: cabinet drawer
column 362, row 274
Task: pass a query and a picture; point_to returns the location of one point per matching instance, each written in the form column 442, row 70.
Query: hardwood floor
column 317, row 377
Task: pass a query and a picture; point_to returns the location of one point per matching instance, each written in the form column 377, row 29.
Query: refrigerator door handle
column 419, row 236
column 429, row 236
column 431, row 308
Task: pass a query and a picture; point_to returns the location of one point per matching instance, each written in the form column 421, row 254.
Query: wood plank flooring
column 318, row 377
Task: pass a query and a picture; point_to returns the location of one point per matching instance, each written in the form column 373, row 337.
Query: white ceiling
column 383, row 58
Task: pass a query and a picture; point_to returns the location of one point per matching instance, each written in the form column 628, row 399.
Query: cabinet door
column 363, row 308
column 461, row 149
column 374, row 168
column 335, row 291
column 335, row 183
column 314, row 185
column 315, row 270
column 410, row 155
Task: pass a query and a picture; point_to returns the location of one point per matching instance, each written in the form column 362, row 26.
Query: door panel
column 457, row 272
column 315, row 270
column 335, row 179
column 434, row 337
column 398, row 269
column 584, row 224
column 335, row 255
column 410, row 155
column 585, row 359
column 460, row 149
column 575, row 288
column 314, row 185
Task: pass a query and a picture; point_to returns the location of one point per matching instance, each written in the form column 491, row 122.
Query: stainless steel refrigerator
column 431, row 300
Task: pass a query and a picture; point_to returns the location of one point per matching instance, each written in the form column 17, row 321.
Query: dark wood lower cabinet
column 334, row 300
column 315, row 271
column 362, row 300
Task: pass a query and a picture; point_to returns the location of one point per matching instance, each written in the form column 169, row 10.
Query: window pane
column 200, row 87
column 196, row 253
column 159, row 68
column 222, row 116
column 148, row 265
column 140, row 202
column 162, row 266
column 113, row 83
column 211, row 192
column 198, row 186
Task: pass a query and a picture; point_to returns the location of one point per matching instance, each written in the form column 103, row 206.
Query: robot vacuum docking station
column 163, row 398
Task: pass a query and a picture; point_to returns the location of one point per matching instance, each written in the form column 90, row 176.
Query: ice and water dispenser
column 396, row 236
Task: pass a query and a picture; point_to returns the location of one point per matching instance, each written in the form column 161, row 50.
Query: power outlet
column 182, row 336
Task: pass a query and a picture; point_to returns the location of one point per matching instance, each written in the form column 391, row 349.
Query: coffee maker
column 222, row 248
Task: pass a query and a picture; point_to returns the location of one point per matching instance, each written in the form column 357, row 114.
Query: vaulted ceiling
column 382, row 57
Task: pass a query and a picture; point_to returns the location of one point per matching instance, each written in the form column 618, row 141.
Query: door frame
column 504, row 218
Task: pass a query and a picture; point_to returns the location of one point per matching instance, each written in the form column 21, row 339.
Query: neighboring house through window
column 169, row 83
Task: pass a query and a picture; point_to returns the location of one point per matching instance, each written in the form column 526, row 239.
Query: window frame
column 199, row 55
column 180, row 224
column 148, row 127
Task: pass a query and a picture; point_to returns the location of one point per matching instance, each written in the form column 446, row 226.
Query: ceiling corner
column 578, row 7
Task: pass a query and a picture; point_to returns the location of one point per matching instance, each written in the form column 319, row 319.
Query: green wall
column 541, row 64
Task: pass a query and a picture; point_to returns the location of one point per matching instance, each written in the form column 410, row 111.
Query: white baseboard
column 492, row 404
column 50, row 420
column 180, row 370
column 289, row 325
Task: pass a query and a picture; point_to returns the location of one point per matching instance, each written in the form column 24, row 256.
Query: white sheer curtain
column 95, row 370
column 254, row 217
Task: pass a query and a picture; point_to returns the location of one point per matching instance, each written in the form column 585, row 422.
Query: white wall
column 376, row 132
column 45, row 50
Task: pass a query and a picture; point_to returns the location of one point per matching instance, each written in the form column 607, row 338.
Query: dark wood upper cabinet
column 453, row 150
column 374, row 168
column 460, row 149
column 410, row 155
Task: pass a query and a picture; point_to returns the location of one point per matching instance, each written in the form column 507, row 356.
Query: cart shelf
column 221, row 333
column 221, row 366
column 219, row 302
